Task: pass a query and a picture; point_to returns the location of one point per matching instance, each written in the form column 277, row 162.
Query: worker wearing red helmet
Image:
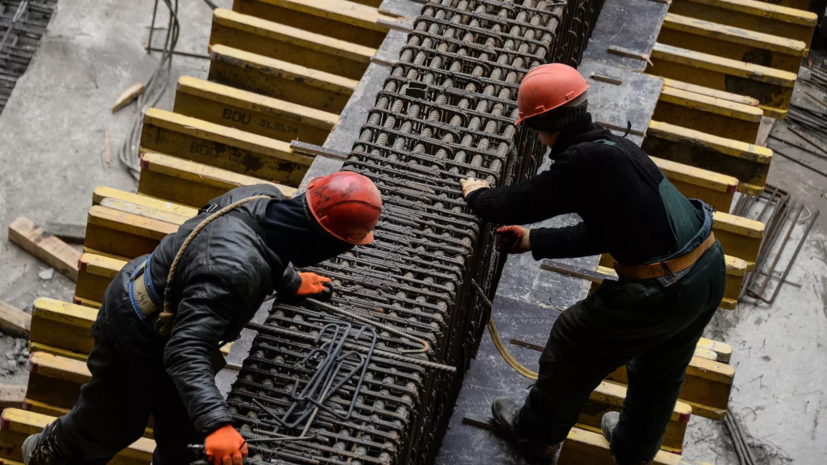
column 671, row 273
column 144, row 365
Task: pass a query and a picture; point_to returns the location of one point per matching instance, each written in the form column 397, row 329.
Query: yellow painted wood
column 86, row 302
column 144, row 211
column 43, row 409
column 351, row 22
column 718, row 94
column 62, row 325
column 715, row 189
column 280, row 79
column 102, row 193
column 265, row 116
column 584, row 447
column 222, row 147
column 732, row 42
column 124, row 234
column 16, row 425
column 747, row 162
column 757, row 16
column 373, row 3
column 290, row 44
column 39, row 347
column 609, row 397
column 707, row 384
column 708, row 114
column 56, row 380
column 773, row 88
column 190, row 183
column 740, row 237
column 96, row 273
column 724, row 351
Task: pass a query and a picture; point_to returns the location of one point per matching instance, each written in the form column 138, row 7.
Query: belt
column 145, row 301
column 667, row 268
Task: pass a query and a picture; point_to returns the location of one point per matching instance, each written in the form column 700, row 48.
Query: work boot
column 608, row 424
column 506, row 412
column 41, row 449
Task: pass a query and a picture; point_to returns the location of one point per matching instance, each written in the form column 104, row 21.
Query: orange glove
column 225, row 446
column 315, row 286
column 514, row 239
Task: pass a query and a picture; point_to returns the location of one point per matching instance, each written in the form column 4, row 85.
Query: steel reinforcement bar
column 366, row 383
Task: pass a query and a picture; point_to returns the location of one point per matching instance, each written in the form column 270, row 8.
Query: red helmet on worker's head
column 547, row 87
column 345, row 204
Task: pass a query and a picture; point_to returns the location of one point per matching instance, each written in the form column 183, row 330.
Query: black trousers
column 114, row 407
column 650, row 328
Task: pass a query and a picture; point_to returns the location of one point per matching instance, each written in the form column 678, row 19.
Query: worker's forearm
column 569, row 242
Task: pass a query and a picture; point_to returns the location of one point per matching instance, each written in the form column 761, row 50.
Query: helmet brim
column 365, row 240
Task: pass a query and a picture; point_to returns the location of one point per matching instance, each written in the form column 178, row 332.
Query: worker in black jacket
column 671, row 273
column 145, row 363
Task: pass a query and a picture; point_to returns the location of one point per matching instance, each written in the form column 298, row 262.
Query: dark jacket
column 222, row 280
column 614, row 187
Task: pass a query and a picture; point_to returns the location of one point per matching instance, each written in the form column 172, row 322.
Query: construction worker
column 671, row 273
column 147, row 363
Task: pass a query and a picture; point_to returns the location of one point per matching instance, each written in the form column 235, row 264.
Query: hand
column 470, row 185
column 225, row 446
column 315, row 286
column 514, row 239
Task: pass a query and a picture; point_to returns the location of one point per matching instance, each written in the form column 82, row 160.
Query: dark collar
column 582, row 130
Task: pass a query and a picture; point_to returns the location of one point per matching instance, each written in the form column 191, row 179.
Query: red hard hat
column 346, row 204
column 547, row 87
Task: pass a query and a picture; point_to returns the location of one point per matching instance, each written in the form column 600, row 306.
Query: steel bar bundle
column 446, row 112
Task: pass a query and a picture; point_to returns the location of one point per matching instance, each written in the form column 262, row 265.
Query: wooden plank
column 740, row 237
column 86, row 302
column 747, row 162
column 239, row 109
column 190, row 183
column 718, row 94
column 13, row 321
column 281, row 42
column 222, row 147
column 773, row 88
column 708, row 114
column 280, row 79
column 102, row 193
column 56, row 380
column 97, row 272
column 347, row 21
column 732, row 42
column 54, row 252
column 713, row 188
column 17, row 424
column 128, row 96
column 124, row 234
column 752, row 15
column 63, row 325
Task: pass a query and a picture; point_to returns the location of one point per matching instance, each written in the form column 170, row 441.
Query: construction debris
column 128, row 96
column 54, row 252
column 14, row 322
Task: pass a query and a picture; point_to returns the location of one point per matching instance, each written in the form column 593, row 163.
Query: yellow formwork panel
column 706, row 388
column 97, row 272
column 747, row 162
column 281, row 42
column 62, row 325
column 190, row 183
column 713, row 188
column 351, row 22
column 773, row 88
column 86, row 302
column 732, row 42
column 124, row 234
column 222, row 147
column 609, row 397
column 706, row 91
column 102, row 193
column 708, row 114
column 56, row 380
column 265, row 116
column 16, row 425
column 280, row 79
column 584, row 447
column 752, row 15
column 740, row 237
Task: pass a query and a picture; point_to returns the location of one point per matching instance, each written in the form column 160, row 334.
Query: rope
column 498, row 343
column 168, row 315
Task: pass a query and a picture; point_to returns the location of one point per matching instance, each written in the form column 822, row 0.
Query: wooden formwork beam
column 732, row 42
column 222, row 147
column 773, row 88
column 752, row 15
column 281, row 42
column 280, row 79
column 713, row 188
column 246, row 111
column 351, row 22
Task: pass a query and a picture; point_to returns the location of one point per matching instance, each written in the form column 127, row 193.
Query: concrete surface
column 51, row 150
